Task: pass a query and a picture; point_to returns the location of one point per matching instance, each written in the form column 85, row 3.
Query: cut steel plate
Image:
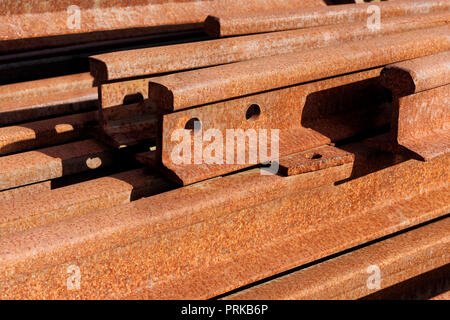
column 237, row 23
column 314, row 159
column 192, row 88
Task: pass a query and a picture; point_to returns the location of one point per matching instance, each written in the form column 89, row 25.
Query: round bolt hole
column 194, row 125
column 253, row 112
column 316, row 156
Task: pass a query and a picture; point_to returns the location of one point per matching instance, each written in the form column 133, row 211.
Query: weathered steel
column 33, row 108
column 33, row 20
column 349, row 276
column 206, row 239
column 442, row 296
column 412, row 76
column 237, row 23
column 141, row 62
column 45, row 132
column 13, row 93
column 307, row 116
column 313, row 160
column 421, row 113
column 186, row 89
column 423, row 123
column 53, row 162
column 24, row 192
column 75, row 200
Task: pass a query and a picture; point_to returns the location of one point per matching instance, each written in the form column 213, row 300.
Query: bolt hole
column 194, row 125
column 253, row 112
column 133, row 98
column 316, row 156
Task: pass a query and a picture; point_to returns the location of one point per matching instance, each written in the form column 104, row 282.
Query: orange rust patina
column 237, row 23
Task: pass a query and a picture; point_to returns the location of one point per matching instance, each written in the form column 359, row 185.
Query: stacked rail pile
column 88, row 181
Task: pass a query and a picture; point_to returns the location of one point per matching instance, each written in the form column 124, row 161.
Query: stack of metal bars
column 90, row 99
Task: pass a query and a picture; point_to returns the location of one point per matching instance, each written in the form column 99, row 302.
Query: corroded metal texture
column 191, row 88
column 33, row 108
column 76, row 200
column 53, row 162
column 421, row 117
column 314, row 159
column 140, row 62
column 13, row 93
column 307, row 116
column 442, row 296
column 45, row 132
column 423, row 123
column 413, row 76
column 23, row 192
column 194, row 245
column 237, row 23
column 348, row 277
column 33, row 21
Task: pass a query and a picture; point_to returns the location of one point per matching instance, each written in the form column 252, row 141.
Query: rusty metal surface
column 140, row 62
column 442, row 296
column 52, row 162
column 13, row 93
column 191, row 88
column 191, row 244
column 132, row 233
column 398, row 259
column 313, row 160
column 20, row 23
column 423, row 124
column 421, row 116
column 412, row 76
column 33, row 108
column 307, row 116
column 45, row 132
column 76, row 200
column 237, row 23
column 12, row 195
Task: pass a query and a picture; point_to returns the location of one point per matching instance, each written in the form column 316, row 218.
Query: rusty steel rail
column 202, row 222
column 421, row 117
column 294, row 111
column 126, row 121
column 52, row 162
column 34, row 21
column 178, row 57
column 49, row 206
column 398, row 258
column 12, row 195
column 197, row 87
column 45, row 132
column 34, row 108
column 12, row 93
column 413, row 76
column 237, row 23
